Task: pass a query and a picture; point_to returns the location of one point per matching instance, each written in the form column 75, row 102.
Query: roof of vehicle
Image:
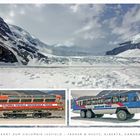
column 28, row 96
column 108, row 93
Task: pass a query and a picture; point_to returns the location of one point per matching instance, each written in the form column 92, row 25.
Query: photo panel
column 69, row 45
column 33, row 108
column 103, row 108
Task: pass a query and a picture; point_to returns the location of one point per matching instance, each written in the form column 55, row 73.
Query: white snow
column 130, row 53
column 34, row 62
column 106, row 120
column 70, row 77
column 136, row 39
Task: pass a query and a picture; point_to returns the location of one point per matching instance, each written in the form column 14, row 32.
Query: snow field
column 70, row 77
column 106, row 120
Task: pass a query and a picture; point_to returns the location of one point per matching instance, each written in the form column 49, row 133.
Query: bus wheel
column 82, row 114
column 130, row 116
column 99, row 115
column 122, row 115
column 37, row 115
column 14, row 116
column 89, row 114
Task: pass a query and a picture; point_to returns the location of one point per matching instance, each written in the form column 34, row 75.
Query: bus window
column 84, row 102
column 38, row 100
column 107, row 100
column 123, row 99
column 88, row 102
column 26, row 100
column 115, row 99
column 100, row 101
column 134, row 99
column 13, row 100
column 49, row 100
column 93, row 102
column 81, row 103
column 138, row 94
column 78, row 102
column 96, row 101
column 3, row 101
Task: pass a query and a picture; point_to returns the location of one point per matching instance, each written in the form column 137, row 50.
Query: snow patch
column 136, row 39
column 70, row 77
column 130, row 53
column 34, row 62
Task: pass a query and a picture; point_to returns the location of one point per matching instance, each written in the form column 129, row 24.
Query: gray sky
column 79, row 93
column 95, row 27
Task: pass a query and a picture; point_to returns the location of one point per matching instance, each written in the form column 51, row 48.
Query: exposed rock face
column 18, row 45
column 6, row 55
column 4, row 29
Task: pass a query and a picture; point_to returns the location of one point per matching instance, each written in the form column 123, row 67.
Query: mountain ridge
column 133, row 43
column 21, row 47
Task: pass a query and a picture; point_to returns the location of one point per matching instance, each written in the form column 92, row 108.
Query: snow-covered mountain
column 20, row 47
column 130, row 53
column 17, row 45
column 133, row 43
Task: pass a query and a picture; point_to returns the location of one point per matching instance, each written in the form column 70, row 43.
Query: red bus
column 35, row 105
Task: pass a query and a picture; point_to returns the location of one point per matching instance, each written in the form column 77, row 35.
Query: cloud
column 11, row 14
column 91, row 28
column 74, row 8
column 67, row 43
column 95, row 27
column 129, row 25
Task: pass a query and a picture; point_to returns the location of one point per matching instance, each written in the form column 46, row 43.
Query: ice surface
column 70, row 77
column 87, row 61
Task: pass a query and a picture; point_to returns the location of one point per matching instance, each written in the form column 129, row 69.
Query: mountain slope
column 17, row 45
column 130, row 53
column 134, row 43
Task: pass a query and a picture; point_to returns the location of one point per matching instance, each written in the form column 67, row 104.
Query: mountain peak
column 133, row 43
column 17, row 45
column 4, row 28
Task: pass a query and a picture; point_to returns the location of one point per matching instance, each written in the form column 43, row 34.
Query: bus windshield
column 138, row 94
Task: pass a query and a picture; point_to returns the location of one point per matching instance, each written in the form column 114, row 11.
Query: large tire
column 122, row 115
column 46, row 114
column 130, row 116
column 23, row 115
column 89, row 114
column 83, row 114
column 99, row 115
column 6, row 115
column 37, row 115
column 14, row 116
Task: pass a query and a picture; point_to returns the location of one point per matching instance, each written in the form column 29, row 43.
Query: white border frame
column 38, row 125
column 69, row 1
